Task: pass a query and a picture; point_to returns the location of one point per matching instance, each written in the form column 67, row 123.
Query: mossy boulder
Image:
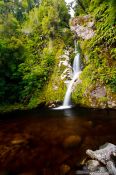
column 93, row 96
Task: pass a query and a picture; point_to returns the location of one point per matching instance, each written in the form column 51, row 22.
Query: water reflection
column 69, row 113
column 45, row 140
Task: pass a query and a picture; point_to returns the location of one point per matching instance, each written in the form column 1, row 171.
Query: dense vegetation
column 32, row 37
column 100, row 51
column 34, row 34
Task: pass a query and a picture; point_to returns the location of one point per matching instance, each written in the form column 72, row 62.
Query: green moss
column 55, row 88
column 102, row 99
column 80, row 94
column 52, row 94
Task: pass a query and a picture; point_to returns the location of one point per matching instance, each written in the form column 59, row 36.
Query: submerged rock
column 72, row 141
column 20, row 139
column 64, row 169
column 88, row 124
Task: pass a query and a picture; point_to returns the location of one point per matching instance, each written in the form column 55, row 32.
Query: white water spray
column 76, row 73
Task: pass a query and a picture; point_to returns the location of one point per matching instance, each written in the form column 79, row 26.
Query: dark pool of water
column 33, row 142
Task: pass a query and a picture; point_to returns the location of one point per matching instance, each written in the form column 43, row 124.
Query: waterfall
column 76, row 73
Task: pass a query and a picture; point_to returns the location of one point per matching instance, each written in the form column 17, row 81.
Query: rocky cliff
column 96, row 35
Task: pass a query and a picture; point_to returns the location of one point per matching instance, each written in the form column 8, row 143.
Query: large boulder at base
column 103, row 162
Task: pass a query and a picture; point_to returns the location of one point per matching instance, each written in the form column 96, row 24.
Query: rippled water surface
column 35, row 142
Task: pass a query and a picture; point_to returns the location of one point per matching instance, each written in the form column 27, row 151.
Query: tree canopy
column 26, row 56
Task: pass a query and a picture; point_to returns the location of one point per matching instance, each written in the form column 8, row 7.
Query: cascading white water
column 76, row 73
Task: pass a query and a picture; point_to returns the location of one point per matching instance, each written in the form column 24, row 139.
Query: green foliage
column 102, row 99
column 9, row 26
column 102, row 46
column 32, row 36
column 56, row 88
column 11, row 55
column 81, row 7
column 35, row 73
column 100, row 67
column 112, row 83
column 53, row 16
column 11, row 107
column 18, row 9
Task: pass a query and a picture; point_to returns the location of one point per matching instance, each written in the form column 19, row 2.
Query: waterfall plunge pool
column 43, row 142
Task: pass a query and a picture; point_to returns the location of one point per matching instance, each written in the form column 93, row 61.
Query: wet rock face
column 99, row 92
column 83, row 32
column 83, row 27
column 96, row 96
column 72, row 141
column 99, row 98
